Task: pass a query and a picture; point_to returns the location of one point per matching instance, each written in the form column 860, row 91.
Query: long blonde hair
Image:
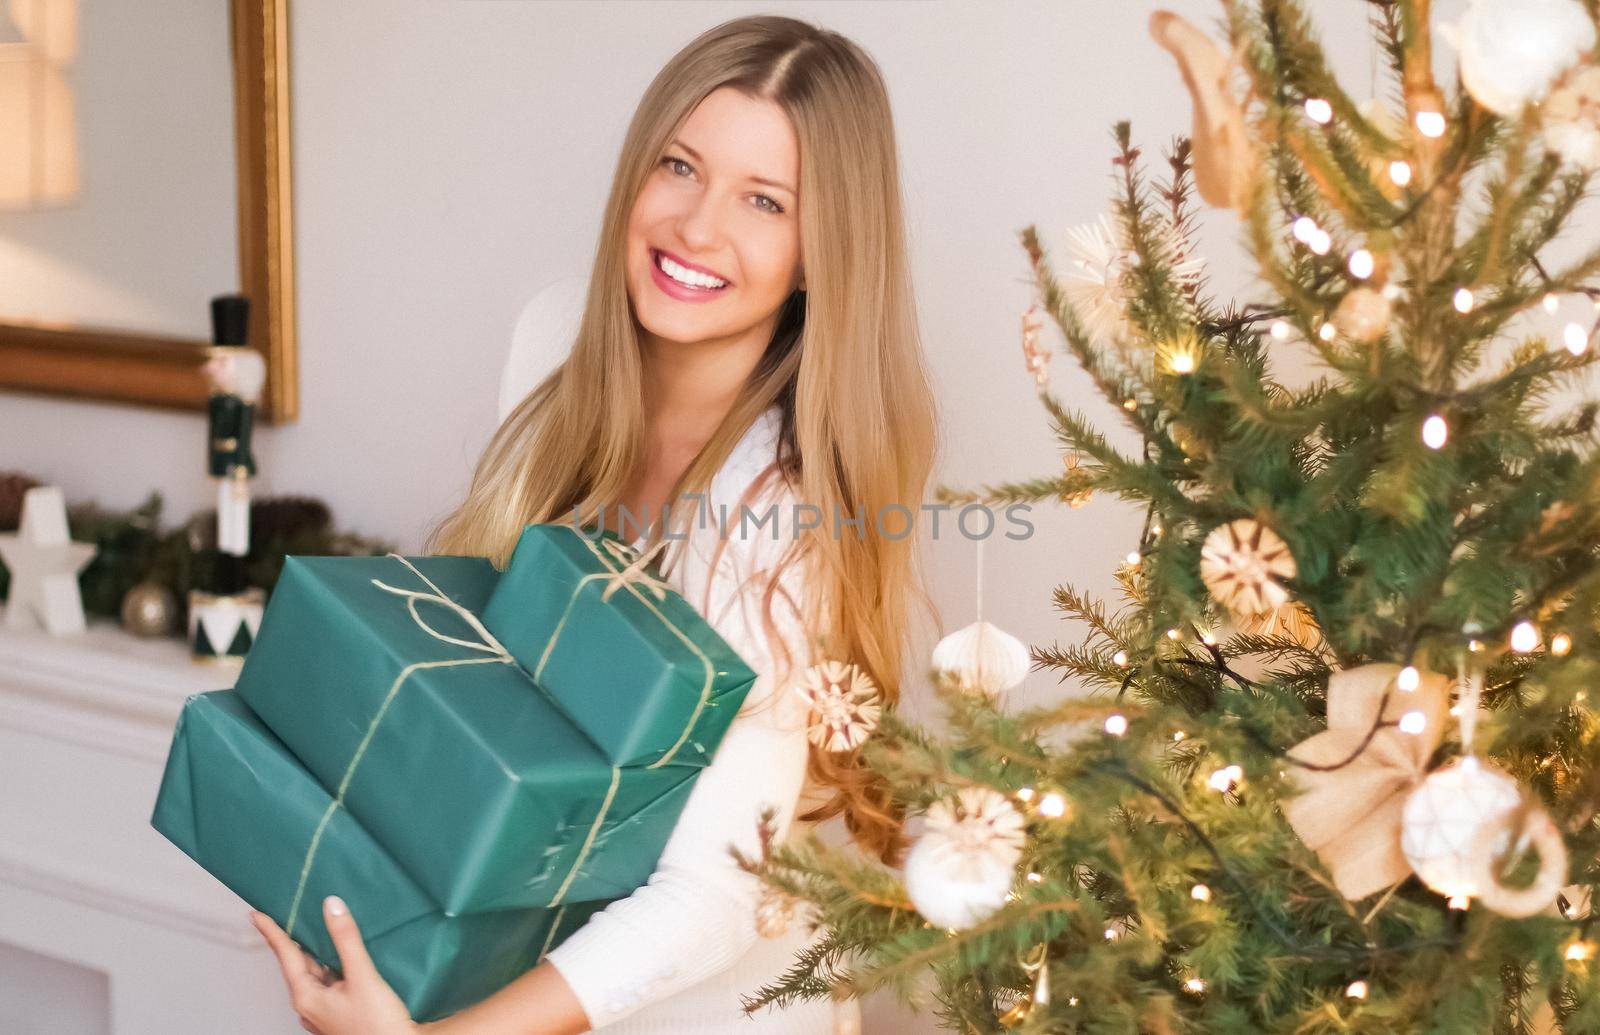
column 845, row 366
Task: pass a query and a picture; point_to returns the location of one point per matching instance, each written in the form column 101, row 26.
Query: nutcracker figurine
column 224, row 620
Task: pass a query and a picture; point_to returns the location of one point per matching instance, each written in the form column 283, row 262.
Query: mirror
column 157, row 176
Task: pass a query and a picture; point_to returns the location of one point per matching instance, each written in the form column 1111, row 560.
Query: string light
column 1200, row 893
column 1320, row 241
column 1580, row 952
column 1560, row 643
column 1052, row 806
column 1116, row 724
column 1319, row 111
column 1281, row 330
column 1524, row 637
column 1178, row 735
column 1207, row 638
column 1459, row 902
column 1413, row 722
column 1303, row 228
column 1400, row 173
column 1024, row 794
column 1129, row 404
column 1195, row 985
column 1133, row 558
column 1575, row 338
column 1326, row 331
column 1120, row 659
column 1430, row 123
column 1356, row 990
column 1226, row 778
column 1173, row 634
column 1435, row 432
column 1361, row 264
column 1111, row 934
column 1409, row 678
column 1462, row 300
column 1035, row 878
column 1183, row 362
column 1550, row 302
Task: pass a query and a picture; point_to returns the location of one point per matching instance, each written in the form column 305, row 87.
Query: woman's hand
column 361, row 1003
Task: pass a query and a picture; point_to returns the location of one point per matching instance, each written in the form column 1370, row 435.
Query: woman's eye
column 673, row 163
column 774, row 208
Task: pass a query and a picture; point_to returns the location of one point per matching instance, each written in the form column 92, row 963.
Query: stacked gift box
column 475, row 761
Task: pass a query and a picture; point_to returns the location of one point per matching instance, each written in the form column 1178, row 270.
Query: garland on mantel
column 132, row 546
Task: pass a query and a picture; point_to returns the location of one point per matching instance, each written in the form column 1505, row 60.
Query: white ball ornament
column 963, row 865
column 1461, row 818
column 1510, row 53
column 983, row 658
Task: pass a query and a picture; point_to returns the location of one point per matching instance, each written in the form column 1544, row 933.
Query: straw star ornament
column 845, row 705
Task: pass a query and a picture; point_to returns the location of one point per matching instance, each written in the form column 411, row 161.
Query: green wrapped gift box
column 608, row 645
column 492, row 789
column 238, row 802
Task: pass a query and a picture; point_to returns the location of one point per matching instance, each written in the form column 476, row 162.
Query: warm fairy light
column 1319, row 110
column 1474, row 646
column 1524, row 637
column 1183, row 362
column 1430, row 123
column 1361, row 264
column 1133, row 558
column 1024, row 794
column 1052, row 806
column 1281, row 330
column 1408, row 679
column 1178, row 735
column 1356, row 990
column 1035, row 878
column 1326, row 331
column 1560, row 643
column 1413, row 722
column 1226, row 778
column 1320, row 241
column 1116, row 724
column 1111, row 934
column 1200, row 893
column 1173, row 634
column 1195, row 985
column 1462, row 300
column 1550, row 302
column 1303, row 229
column 1435, row 432
column 1459, row 902
column 1129, row 404
column 1580, row 952
column 1575, row 338
column 1072, row 1000
column 1155, row 530
column 1208, row 638
column 1120, row 659
column 1400, row 173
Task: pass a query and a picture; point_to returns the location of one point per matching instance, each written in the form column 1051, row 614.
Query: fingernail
column 336, row 905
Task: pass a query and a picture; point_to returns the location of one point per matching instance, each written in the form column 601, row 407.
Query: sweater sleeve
column 695, row 916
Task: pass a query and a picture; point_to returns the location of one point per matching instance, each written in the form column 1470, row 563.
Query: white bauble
column 1444, row 817
column 962, row 867
column 1510, row 53
column 982, row 657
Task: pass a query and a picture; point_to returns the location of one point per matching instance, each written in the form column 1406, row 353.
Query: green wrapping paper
column 630, row 660
column 378, row 676
column 237, row 801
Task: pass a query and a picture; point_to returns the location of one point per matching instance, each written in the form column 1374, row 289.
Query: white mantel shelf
column 85, row 726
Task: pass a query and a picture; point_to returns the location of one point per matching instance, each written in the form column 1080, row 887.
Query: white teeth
column 686, row 276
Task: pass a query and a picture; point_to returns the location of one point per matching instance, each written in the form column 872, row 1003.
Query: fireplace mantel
column 85, row 724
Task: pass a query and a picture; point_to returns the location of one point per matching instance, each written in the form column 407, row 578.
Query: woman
column 749, row 335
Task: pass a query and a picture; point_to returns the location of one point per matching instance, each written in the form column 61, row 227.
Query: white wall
column 451, row 158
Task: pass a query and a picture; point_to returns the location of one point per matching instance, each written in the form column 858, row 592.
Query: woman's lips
column 682, row 292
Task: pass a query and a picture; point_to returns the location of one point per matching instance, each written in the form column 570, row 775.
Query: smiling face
column 714, row 235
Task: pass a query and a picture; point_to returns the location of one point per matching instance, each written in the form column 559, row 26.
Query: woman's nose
column 698, row 227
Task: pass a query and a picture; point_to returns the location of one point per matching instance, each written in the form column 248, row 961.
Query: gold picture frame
column 165, row 371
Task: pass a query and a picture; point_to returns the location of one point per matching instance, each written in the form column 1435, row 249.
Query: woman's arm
column 695, row 916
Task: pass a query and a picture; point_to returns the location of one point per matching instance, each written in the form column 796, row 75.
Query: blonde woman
column 749, row 335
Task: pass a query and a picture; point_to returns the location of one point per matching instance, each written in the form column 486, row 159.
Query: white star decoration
column 44, row 563
column 844, row 705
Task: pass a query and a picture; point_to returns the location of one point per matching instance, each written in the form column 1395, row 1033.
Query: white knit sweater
column 675, row 957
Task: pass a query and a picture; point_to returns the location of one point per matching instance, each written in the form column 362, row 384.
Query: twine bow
column 633, row 572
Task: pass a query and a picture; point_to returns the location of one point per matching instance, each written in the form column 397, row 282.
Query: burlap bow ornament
column 1355, row 775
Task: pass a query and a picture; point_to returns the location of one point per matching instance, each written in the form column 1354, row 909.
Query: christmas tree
column 1340, row 768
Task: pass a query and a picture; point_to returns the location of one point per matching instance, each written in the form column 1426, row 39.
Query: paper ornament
column 963, row 864
column 775, row 910
column 982, row 658
column 1292, row 621
column 1244, row 564
column 1035, row 356
column 1350, row 803
column 1570, row 118
column 1510, row 54
column 1224, row 159
column 44, row 564
column 844, row 704
column 1097, row 262
column 1464, row 816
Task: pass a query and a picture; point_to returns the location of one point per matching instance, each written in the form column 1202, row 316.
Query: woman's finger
column 290, row 958
column 353, row 958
